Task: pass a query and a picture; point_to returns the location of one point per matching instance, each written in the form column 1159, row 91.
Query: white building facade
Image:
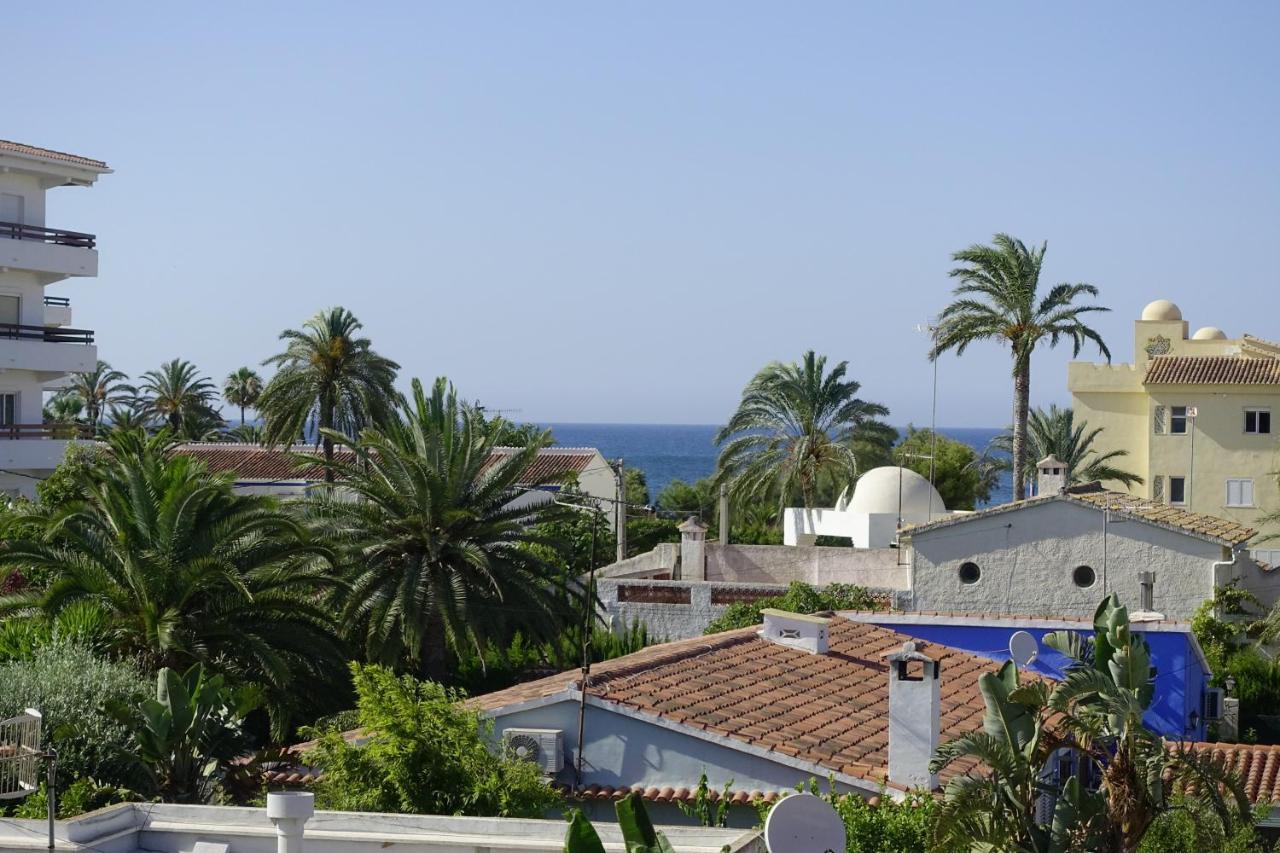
column 37, row 346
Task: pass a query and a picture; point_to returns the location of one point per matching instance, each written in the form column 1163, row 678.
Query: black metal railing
column 45, row 333
column 62, row 301
column 14, row 432
column 56, row 236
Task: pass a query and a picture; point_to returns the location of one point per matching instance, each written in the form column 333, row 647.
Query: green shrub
column 799, row 598
column 1185, row 830
column 82, row 795
column 519, row 660
column 889, row 826
column 70, row 685
column 426, row 754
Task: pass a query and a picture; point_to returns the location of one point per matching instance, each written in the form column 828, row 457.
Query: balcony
column 37, row 446
column 50, row 352
column 57, row 311
column 53, row 251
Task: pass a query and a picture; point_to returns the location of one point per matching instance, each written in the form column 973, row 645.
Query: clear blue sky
column 618, row 212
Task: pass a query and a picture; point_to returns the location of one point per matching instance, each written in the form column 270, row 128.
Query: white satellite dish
column 1023, row 648
column 803, row 823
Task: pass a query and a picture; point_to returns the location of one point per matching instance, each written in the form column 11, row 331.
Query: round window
column 1083, row 576
column 969, row 573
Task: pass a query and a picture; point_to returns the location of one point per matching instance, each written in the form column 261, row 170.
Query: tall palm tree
column 998, row 299
column 328, row 375
column 63, row 408
column 181, row 398
column 435, row 555
column 798, row 424
column 1054, row 432
column 99, row 389
column 185, row 570
column 241, row 388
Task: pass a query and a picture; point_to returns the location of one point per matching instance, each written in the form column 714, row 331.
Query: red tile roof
column 829, row 710
column 1212, row 370
column 1257, row 764
column 254, row 462
column 49, row 154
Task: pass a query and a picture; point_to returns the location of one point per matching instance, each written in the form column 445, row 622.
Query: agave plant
column 1095, row 713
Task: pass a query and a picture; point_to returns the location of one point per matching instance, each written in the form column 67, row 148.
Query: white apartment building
column 37, row 345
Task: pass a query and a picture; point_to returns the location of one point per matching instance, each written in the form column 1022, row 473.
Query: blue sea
column 667, row 452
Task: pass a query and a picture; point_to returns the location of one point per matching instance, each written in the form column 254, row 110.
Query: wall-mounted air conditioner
column 1213, row 704
column 544, row 747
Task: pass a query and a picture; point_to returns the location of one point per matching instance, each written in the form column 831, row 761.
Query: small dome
column 1209, row 333
column 877, row 492
column 1162, row 309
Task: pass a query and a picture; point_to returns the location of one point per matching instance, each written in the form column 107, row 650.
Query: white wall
column 32, row 192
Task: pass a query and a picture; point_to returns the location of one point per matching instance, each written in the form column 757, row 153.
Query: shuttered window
column 1240, row 492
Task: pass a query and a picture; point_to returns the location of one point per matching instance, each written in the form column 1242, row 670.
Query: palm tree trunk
column 1021, row 403
column 242, row 416
column 326, row 422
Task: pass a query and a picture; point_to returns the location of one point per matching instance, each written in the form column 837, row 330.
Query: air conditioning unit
column 544, row 747
column 1213, row 704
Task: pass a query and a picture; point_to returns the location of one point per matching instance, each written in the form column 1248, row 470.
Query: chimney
column 1051, row 476
column 290, row 811
column 915, row 711
column 807, row 633
column 693, row 557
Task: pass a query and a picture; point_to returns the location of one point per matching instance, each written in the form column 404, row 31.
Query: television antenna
column 1023, row 649
column 20, row 757
column 804, row 823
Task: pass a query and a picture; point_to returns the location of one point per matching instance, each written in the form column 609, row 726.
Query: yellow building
column 1197, row 414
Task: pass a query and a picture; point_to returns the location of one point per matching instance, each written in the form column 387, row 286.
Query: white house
column 37, row 347
column 884, row 501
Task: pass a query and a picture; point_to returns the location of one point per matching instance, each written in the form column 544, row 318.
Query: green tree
column 426, row 753
column 698, row 498
column 185, row 736
column 177, row 396
column 799, row 598
column 1055, row 432
column 954, row 469
column 328, row 376
column 635, row 487
column 797, row 425
column 435, row 554
column 186, row 571
column 1095, row 713
column 242, row 388
column 63, row 408
column 997, row 299
column 99, row 389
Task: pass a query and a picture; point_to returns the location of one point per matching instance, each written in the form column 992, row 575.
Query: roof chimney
column 808, row 633
column 915, row 710
column 1051, row 476
column 693, row 553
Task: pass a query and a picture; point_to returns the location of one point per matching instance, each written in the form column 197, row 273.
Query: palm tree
column 185, row 570
column 63, row 408
column 126, row 418
column 435, row 556
column 796, row 426
column 180, row 397
column 1095, row 713
column 242, row 388
column 1055, row 433
column 997, row 299
column 327, row 375
column 100, row 388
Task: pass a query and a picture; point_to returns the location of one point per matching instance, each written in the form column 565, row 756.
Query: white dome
column 877, row 492
column 1209, row 333
column 1162, row 309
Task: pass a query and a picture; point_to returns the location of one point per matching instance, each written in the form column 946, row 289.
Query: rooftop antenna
column 20, row 757
column 804, row 823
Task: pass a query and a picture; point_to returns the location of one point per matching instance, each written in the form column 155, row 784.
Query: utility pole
column 1192, row 413
column 724, row 514
column 620, row 512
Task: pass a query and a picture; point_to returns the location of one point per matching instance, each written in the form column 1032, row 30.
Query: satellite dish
column 1023, row 648
column 803, row 823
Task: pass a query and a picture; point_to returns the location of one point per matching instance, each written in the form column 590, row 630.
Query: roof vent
column 808, row 633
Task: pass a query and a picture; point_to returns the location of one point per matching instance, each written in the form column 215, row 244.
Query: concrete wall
column 813, row 565
column 1027, row 556
column 674, row 610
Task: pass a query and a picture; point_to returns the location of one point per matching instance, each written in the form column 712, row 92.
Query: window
column 1257, row 421
column 1177, row 490
column 8, row 409
column 1178, row 420
column 10, row 311
column 969, row 573
column 1083, row 576
column 1240, row 492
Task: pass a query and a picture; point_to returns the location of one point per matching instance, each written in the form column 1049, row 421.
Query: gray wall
column 1027, row 557
column 818, row 565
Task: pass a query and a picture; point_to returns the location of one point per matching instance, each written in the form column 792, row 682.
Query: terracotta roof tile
column 254, row 462
column 50, row 154
column 1212, row 370
column 1257, row 764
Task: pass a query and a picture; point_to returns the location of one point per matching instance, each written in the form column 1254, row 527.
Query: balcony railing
column 45, row 333
column 61, row 301
column 56, row 236
column 13, row 432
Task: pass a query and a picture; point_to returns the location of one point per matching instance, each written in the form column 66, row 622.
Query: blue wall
column 1180, row 677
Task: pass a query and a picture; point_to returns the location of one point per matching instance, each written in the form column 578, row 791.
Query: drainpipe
column 290, row 811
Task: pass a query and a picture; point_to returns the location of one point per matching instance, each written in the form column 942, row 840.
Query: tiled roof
column 1212, row 370
column 49, row 154
column 1257, row 764
column 829, row 710
column 1121, row 504
column 254, row 462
